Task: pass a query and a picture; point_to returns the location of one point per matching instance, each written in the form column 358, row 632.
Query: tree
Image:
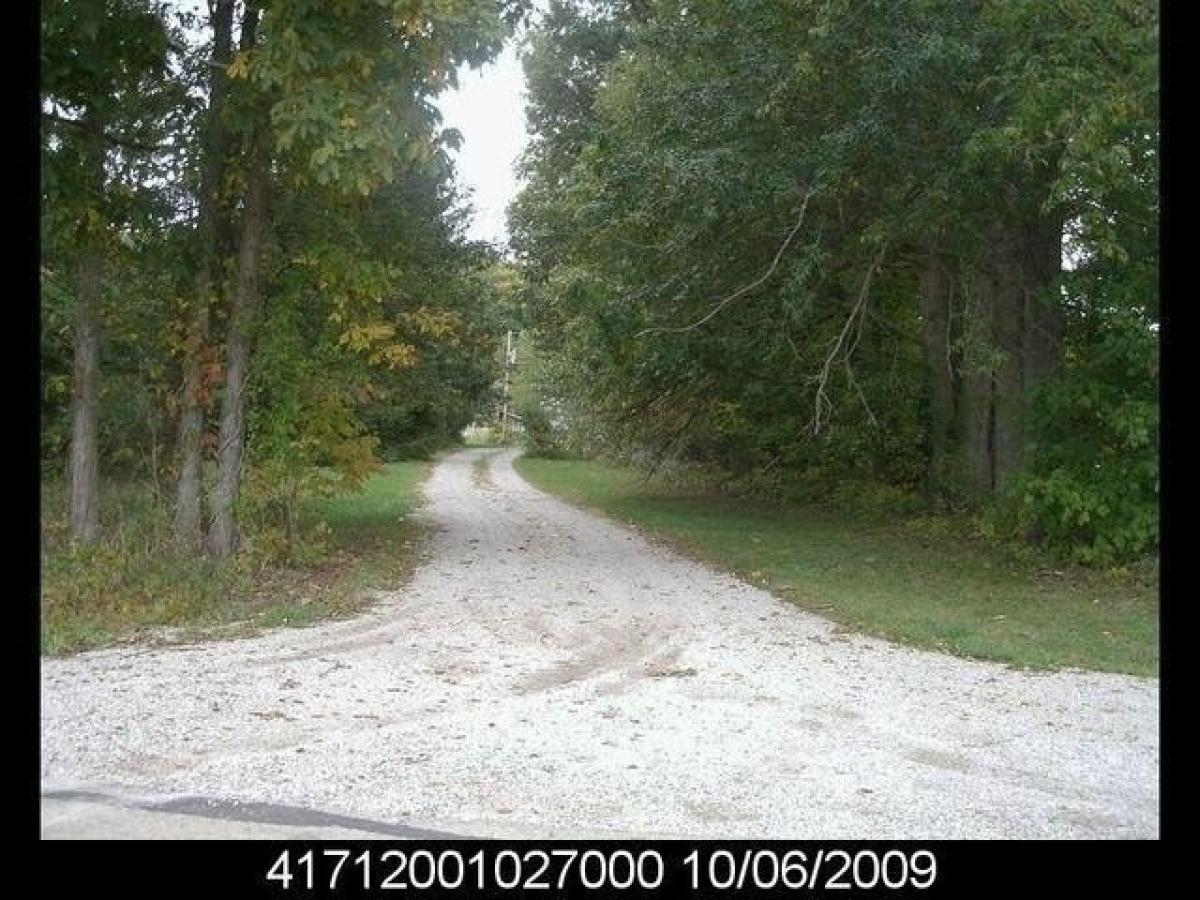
column 212, row 238
column 824, row 241
column 337, row 96
column 279, row 188
column 102, row 93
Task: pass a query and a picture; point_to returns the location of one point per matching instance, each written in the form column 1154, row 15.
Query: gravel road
column 550, row 674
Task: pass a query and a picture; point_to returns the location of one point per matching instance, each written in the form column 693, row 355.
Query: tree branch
column 822, row 405
column 721, row 304
column 111, row 138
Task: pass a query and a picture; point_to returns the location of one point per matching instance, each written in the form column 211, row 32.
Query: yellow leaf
column 239, row 66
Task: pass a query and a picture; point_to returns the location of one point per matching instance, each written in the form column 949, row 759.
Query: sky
column 489, row 109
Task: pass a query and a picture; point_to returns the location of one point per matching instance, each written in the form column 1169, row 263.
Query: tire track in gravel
column 547, row 673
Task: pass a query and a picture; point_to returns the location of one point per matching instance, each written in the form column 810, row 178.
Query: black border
column 968, row 868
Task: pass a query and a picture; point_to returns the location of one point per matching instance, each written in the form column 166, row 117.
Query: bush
column 1090, row 492
column 132, row 578
column 875, row 500
column 1097, row 519
column 541, row 438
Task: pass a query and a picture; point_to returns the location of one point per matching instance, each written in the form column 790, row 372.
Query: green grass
column 132, row 587
column 923, row 582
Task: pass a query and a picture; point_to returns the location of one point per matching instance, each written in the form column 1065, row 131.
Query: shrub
column 540, row 437
column 1090, row 491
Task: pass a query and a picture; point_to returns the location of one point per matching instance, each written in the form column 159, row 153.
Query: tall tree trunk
column 188, row 531
column 1028, row 330
column 84, row 462
column 977, row 425
column 1045, row 323
column 1018, row 343
column 223, row 534
column 1007, row 274
column 188, row 522
column 937, row 282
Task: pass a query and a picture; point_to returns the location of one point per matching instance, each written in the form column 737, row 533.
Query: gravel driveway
column 551, row 674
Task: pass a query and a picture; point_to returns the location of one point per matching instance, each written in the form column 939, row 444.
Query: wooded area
column 254, row 279
column 900, row 248
column 897, row 250
column 785, row 465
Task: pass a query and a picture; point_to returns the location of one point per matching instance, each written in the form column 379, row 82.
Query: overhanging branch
column 118, row 140
column 721, row 304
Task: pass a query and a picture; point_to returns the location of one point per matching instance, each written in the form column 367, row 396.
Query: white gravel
column 550, row 674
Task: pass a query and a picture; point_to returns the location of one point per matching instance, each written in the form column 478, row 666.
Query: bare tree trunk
column 188, row 516
column 223, row 535
column 1028, row 330
column 1045, row 322
column 191, row 431
column 936, row 305
column 1008, row 334
column 978, row 427
column 976, row 421
column 84, row 462
column 1019, row 343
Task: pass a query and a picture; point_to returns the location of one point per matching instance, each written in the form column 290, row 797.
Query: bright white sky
column 489, row 109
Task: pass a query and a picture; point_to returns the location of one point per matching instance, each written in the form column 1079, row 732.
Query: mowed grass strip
column 919, row 582
column 132, row 587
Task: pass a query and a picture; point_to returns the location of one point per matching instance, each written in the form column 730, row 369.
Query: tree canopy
column 893, row 247
column 255, row 280
column 910, row 244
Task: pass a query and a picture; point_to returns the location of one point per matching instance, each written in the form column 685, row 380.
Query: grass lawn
column 132, row 587
column 920, row 582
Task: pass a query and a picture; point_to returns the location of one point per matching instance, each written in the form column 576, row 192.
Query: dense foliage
column 879, row 250
column 255, row 283
column 819, row 244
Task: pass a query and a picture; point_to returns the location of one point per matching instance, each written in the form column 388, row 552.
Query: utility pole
column 508, row 362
